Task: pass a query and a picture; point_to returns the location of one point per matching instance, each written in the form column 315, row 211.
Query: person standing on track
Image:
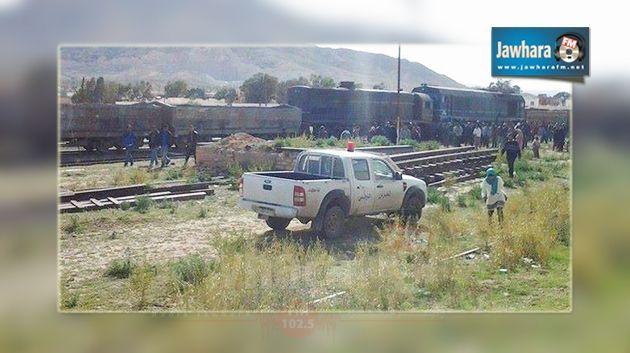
column 165, row 142
column 493, row 193
column 191, row 144
column 154, row 146
column 129, row 143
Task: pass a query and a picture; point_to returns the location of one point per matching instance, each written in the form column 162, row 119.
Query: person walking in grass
column 166, row 139
column 493, row 193
column 191, row 144
column 536, row 147
column 129, row 143
column 154, row 146
column 512, row 151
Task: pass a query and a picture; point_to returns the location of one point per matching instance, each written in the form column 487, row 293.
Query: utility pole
column 398, row 101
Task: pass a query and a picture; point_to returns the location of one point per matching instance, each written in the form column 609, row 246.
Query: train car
column 341, row 108
column 223, row 120
column 469, row 104
column 547, row 116
column 100, row 126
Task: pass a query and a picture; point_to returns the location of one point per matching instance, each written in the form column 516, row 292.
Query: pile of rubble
column 240, row 149
column 242, row 141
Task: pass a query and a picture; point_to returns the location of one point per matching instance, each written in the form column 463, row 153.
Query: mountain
column 217, row 66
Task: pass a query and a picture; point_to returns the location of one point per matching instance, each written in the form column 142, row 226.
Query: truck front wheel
column 277, row 223
column 334, row 220
column 412, row 209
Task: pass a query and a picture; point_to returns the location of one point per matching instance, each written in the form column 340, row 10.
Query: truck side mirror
column 397, row 176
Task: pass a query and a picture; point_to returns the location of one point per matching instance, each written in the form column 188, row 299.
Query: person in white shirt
column 493, row 193
column 477, row 136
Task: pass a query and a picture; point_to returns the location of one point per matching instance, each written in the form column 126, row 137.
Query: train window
column 338, row 169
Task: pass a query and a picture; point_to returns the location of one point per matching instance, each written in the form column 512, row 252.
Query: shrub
column 327, row 142
column 475, row 192
column 445, row 204
column 73, row 226
column 174, row 174
column 429, row 145
column 203, row 213
column 380, row 140
column 143, row 203
column 411, row 142
column 119, row 268
column 191, row 269
column 70, row 301
column 462, row 201
column 139, row 176
column 139, row 283
column 434, row 195
column 125, row 206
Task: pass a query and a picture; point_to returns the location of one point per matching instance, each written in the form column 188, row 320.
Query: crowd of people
column 458, row 133
column 160, row 142
column 489, row 134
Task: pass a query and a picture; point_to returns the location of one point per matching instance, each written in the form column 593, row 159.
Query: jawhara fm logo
column 570, row 48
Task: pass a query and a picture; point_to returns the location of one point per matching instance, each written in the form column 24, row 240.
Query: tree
column 99, row 90
column 142, row 90
column 176, row 89
column 80, row 95
column 90, row 87
column 283, row 87
column 228, row 94
column 196, row 93
column 504, row 86
column 260, row 88
column 562, row 96
column 321, row 81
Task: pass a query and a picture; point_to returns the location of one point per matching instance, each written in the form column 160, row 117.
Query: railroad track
column 82, row 158
column 435, row 167
column 69, row 158
column 114, row 197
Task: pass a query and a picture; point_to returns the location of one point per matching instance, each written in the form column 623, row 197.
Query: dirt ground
column 160, row 237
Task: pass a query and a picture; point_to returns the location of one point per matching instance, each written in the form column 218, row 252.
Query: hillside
column 215, row 66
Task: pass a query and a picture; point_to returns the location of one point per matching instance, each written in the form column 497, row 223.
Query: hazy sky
column 447, row 59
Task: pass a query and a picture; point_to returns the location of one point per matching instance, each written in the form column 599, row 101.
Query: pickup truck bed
column 291, row 175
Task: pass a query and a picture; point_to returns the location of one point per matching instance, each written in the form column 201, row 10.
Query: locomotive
column 341, row 108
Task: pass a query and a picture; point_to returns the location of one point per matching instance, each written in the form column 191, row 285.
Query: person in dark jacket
column 191, row 144
column 154, row 146
column 129, row 144
column 512, row 151
column 166, row 139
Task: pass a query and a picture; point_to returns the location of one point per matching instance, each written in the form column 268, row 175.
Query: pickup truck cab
column 327, row 186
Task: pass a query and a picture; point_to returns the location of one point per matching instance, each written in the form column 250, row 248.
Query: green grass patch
column 143, row 204
column 120, row 268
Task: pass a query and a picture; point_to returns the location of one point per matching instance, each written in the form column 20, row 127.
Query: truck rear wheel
column 277, row 223
column 334, row 220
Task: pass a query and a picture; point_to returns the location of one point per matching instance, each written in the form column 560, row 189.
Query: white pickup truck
column 327, row 186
